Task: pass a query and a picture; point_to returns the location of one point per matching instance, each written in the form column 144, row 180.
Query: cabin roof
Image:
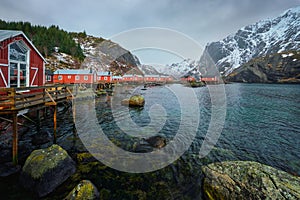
column 72, row 71
column 152, row 76
column 103, row 73
column 6, row 34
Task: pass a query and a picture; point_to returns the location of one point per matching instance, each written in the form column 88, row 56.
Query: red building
column 21, row 64
column 209, row 79
column 188, row 79
column 132, row 78
column 151, row 78
column 70, row 76
column 117, row 79
column 104, row 77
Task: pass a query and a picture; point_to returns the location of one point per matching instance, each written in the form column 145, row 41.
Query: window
column 48, row 78
column 86, row 78
column 77, row 78
column 69, row 77
column 60, row 77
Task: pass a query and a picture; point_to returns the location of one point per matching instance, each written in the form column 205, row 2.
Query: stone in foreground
column 85, row 190
column 248, row 180
column 46, row 169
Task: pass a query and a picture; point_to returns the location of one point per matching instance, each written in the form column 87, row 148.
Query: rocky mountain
column 177, row 70
column 100, row 54
column 149, row 70
column 274, row 68
column 260, row 39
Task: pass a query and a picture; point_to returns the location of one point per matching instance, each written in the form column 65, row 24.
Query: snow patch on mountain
column 259, row 39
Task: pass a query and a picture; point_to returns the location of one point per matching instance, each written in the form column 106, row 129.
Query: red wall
column 71, row 80
column 36, row 61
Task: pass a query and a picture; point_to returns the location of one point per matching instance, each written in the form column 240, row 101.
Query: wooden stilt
column 38, row 123
column 15, row 139
column 74, row 118
column 54, row 124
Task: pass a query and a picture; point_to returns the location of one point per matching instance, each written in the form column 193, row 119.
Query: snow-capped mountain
column 177, row 70
column 256, row 40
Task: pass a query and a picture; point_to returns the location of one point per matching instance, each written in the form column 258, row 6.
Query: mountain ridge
column 259, row 39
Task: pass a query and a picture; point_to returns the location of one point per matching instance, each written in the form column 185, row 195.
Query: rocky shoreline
column 50, row 173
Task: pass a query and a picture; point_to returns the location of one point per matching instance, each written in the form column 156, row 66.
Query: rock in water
column 136, row 101
column 248, row 180
column 45, row 169
column 157, row 141
column 85, row 190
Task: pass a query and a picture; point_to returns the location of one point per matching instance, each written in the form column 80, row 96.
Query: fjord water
column 262, row 121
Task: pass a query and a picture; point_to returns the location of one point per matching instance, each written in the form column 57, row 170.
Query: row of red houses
column 71, row 76
column 22, row 65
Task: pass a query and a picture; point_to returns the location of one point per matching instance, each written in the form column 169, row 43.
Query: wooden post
column 15, row 138
column 54, row 124
column 74, row 118
column 38, row 123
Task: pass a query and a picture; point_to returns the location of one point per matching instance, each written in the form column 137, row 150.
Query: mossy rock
column 136, row 101
column 46, row 169
column 85, row 190
column 248, row 180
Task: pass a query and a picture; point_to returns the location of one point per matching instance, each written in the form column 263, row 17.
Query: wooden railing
column 14, row 99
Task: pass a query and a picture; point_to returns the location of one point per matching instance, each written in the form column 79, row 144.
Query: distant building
column 48, row 77
column 21, row 64
column 132, row 78
column 71, row 76
column 104, row 77
column 117, row 79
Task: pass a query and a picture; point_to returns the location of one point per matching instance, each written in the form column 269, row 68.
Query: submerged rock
column 45, row 169
column 85, row 190
column 157, row 141
column 248, row 180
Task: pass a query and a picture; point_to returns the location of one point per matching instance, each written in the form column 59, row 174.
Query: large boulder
column 248, row 180
column 85, row 190
column 136, row 101
column 45, row 169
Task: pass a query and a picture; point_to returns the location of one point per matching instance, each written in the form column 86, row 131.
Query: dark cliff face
column 275, row 68
column 105, row 55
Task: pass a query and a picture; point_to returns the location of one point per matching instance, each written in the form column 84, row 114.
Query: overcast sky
column 202, row 20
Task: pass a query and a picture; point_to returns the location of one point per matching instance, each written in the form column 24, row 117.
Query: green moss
column 210, row 192
column 42, row 160
column 85, row 190
column 104, row 194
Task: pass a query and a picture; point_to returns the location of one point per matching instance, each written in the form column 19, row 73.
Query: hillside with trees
column 46, row 39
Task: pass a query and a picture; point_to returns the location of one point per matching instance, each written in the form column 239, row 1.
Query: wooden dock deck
column 14, row 100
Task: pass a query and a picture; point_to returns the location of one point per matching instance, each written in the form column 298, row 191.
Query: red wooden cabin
column 132, row 78
column 188, row 79
column 151, row 78
column 104, row 77
column 21, row 64
column 209, row 79
column 71, row 76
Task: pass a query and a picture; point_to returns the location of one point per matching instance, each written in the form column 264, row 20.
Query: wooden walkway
column 14, row 100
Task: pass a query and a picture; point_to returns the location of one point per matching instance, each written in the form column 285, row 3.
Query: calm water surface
column 262, row 121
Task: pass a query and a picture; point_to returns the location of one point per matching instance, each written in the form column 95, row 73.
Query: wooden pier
column 15, row 100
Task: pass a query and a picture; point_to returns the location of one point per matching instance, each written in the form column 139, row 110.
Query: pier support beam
column 54, row 123
column 15, row 139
